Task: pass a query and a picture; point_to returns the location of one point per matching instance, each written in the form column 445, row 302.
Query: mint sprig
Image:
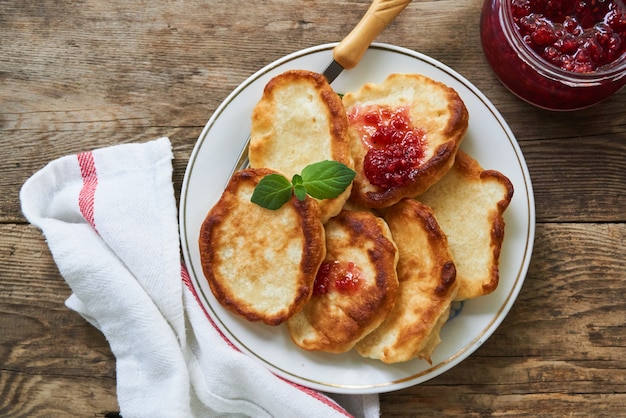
column 322, row 180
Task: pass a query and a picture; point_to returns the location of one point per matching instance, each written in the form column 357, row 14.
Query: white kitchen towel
column 109, row 217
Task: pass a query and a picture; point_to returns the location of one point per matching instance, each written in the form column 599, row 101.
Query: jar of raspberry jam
column 556, row 54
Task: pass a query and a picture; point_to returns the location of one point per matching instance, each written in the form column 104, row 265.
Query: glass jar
column 532, row 77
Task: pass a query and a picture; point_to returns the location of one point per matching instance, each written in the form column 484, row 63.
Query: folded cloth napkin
column 109, row 217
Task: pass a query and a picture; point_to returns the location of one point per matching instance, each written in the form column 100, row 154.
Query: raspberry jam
column 578, row 36
column 344, row 277
column 396, row 148
column 557, row 54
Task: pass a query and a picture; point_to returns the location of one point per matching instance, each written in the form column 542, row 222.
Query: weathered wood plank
column 52, row 362
column 587, row 186
column 560, row 349
column 566, row 330
column 25, row 395
column 112, row 74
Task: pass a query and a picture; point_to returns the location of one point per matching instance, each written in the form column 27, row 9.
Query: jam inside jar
column 556, row 54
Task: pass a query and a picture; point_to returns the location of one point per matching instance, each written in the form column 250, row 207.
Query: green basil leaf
column 296, row 179
column 272, row 192
column 327, row 179
column 300, row 191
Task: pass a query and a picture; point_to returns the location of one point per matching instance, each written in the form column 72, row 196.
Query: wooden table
column 79, row 75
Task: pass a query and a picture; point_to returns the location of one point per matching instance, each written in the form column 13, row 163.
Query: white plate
column 488, row 139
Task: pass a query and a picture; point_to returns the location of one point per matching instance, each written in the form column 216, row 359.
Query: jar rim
column 613, row 71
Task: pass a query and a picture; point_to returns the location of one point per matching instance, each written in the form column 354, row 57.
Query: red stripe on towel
column 322, row 398
column 187, row 281
column 313, row 393
column 87, row 194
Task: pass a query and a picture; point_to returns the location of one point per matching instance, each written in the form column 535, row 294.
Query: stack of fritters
column 469, row 203
column 358, row 288
column 300, row 120
column 434, row 108
column 376, row 268
column 261, row 264
column 427, row 287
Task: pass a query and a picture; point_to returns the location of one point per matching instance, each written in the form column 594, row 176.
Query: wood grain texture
column 52, row 362
column 78, row 75
column 559, row 351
